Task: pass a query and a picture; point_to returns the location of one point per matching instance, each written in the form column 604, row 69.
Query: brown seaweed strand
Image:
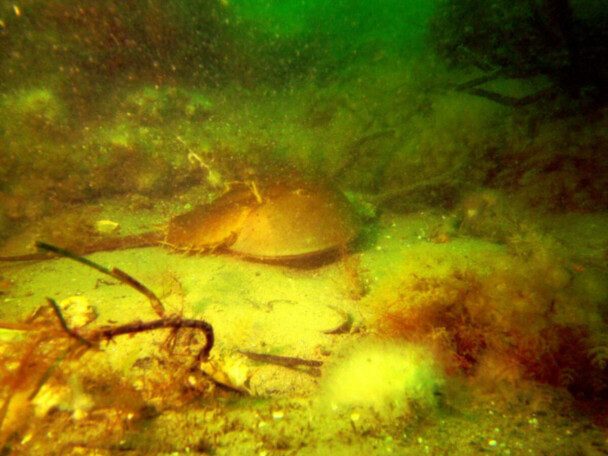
column 49, row 371
column 115, row 272
column 73, row 334
column 138, row 326
column 168, row 322
column 287, row 361
column 71, row 255
column 125, row 278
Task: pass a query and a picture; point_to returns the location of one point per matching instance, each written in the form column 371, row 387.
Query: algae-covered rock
column 153, row 105
column 130, row 170
column 39, row 111
column 388, row 378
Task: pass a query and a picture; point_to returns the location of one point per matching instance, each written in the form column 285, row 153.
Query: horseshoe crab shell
column 282, row 223
column 214, row 225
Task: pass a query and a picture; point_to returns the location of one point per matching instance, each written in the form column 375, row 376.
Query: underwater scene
column 303, row 227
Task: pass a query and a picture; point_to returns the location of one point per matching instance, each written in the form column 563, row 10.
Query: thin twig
column 353, row 152
column 165, row 321
column 478, row 81
column 125, row 278
column 168, row 322
column 118, row 274
column 49, row 371
column 472, row 87
column 442, row 178
column 138, row 326
column 73, row 256
column 73, row 334
column 507, row 100
column 70, row 332
column 287, row 361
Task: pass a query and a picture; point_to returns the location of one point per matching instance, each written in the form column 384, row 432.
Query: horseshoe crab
column 303, row 224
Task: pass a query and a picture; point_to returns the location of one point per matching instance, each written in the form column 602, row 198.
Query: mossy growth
column 523, row 321
column 157, row 105
column 396, row 380
column 38, row 111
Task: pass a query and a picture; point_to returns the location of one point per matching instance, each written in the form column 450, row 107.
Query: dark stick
column 73, row 256
column 139, row 326
column 168, row 322
column 49, row 371
column 287, row 361
column 134, row 327
column 122, row 276
column 125, row 278
column 65, row 326
column 507, row 100
column 477, row 81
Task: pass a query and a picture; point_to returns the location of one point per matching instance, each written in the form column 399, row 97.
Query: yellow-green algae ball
column 387, row 377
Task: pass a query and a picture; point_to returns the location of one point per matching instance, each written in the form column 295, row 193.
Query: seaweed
column 44, row 368
column 551, row 38
column 513, row 326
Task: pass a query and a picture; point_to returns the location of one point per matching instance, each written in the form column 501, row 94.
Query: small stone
column 77, row 311
column 106, row 226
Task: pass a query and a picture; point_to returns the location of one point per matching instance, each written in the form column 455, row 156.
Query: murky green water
column 392, row 214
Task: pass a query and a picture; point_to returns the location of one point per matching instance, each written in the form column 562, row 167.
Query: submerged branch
column 118, row 274
column 70, row 332
column 381, row 198
column 174, row 322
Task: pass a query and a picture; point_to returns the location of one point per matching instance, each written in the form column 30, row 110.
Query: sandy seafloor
column 285, row 311
column 478, row 325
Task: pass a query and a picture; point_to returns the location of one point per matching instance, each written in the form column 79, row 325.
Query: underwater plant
column 509, row 325
column 42, row 368
column 562, row 40
column 399, row 379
